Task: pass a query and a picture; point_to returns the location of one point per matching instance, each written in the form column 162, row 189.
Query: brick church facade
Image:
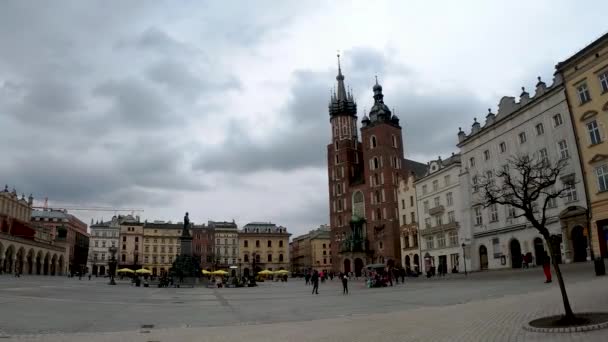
column 363, row 180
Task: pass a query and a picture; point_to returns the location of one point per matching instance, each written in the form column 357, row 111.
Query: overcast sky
column 219, row 108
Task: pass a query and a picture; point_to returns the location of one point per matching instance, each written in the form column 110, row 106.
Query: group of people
column 313, row 278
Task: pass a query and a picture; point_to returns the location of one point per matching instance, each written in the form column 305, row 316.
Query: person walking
column 547, row 267
column 307, row 277
column 315, row 282
column 345, row 285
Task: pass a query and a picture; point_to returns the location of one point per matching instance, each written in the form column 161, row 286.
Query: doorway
column 483, row 257
column 346, row 265
column 515, row 248
column 407, row 261
column 358, row 267
column 579, row 244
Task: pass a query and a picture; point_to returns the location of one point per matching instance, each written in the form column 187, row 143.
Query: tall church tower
column 344, row 161
column 382, row 147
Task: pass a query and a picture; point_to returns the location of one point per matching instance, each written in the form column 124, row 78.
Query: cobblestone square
column 490, row 306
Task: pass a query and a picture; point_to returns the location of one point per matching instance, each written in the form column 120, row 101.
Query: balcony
column 440, row 229
column 437, row 210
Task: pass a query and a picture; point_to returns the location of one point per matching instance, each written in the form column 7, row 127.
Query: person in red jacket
column 547, row 267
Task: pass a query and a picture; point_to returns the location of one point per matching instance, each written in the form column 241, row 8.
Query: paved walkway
column 486, row 318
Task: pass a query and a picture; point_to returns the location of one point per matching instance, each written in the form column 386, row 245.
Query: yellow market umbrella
column 219, row 272
column 143, row 271
column 282, row 272
column 205, row 272
column 266, row 272
column 125, row 270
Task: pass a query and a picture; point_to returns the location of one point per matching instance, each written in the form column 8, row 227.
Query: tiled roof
column 419, row 169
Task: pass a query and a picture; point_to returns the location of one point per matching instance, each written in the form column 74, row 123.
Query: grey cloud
column 441, row 113
column 135, row 103
column 156, row 40
column 46, row 101
column 176, row 77
column 301, row 144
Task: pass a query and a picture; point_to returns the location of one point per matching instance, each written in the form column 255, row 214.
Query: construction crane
column 115, row 210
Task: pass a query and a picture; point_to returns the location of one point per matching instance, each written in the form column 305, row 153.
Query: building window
column 269, row 257
column 583, row 93
column 563, row 149
column 472, row 161
column 486, row 154
column 413, row 217
column 402, row 204
column 493, row 213
column 124, row 247
column 446, row 179
column 373, row 142
column 602, row 177
column 475, row 183
column 394, row 141
column 451, row 217
column 570, row 193
column 429, row 242
column 478, row 217
column 540, row 130
column 246, row 258
column 522, row 137
column 544, row 157
column 496, row 248
column 449, row 199
column 376, row 163
column 551, row 202
column 403, row 220
column 604, row 81
column 438, row 220
column 269, row 243
column 124, row 239
column 96, row 243
column 557, row 120
column 245, row 243
column 435, row 185
column 378, row 214
column 124, row 257
column 594, row 132
column 280, row 243
column 511, row 211
column 453, row 238
column 503, row 147
column 427, row 222
column 424, row 189
column 440, row 240
column 437, row 202
column 425, row 205
column 257, row 243
column 411, row 201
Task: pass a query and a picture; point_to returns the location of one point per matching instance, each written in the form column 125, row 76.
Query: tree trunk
column 569, row 315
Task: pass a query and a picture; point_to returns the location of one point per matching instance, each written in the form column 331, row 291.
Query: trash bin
column 600, row 268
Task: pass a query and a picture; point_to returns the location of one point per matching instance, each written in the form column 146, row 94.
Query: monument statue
column 186, row 225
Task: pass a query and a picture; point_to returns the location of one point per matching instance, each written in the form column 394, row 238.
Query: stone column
column 1, row 263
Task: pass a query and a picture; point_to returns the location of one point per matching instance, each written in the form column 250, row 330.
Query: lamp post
column 464, row 259
column 112, row 264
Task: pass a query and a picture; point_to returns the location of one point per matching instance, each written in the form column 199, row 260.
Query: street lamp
column 112, row 264
column 464, row 259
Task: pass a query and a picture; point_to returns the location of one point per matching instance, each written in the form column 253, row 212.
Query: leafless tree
column 530, row 185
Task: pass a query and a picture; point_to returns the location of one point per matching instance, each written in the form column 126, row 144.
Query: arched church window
column 376, row 164
column 373, row 142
